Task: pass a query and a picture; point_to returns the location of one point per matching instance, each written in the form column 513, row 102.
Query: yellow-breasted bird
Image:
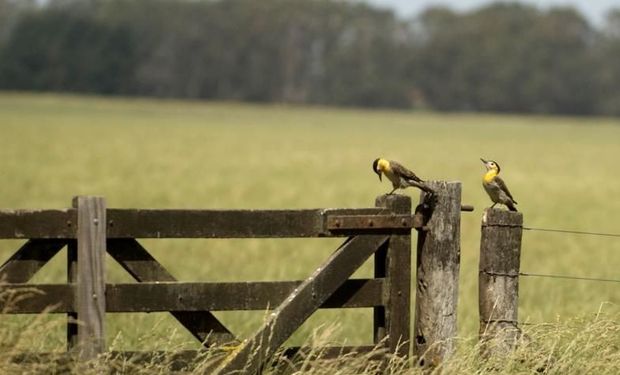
column 496, row 187
column 400, row 176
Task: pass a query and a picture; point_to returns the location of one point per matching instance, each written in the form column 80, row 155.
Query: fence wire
column 550, row 276
column 566, row 277
column 572, row 232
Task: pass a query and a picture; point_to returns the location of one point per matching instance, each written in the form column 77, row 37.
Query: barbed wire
column 550, row 276
column 572, row 232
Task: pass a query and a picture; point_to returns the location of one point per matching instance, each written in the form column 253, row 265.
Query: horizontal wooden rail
column 185, row 360
column 184, row 296
column 172, row 223
column 38, row 223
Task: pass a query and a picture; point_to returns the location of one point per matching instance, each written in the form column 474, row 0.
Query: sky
column 594, row 10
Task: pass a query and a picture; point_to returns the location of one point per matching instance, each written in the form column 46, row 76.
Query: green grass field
column 139, row 153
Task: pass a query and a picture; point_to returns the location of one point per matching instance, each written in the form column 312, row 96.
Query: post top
column 80, row 199
column 499, row 217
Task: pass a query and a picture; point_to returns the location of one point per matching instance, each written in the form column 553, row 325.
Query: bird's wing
column 502, row 185
column 402, row 171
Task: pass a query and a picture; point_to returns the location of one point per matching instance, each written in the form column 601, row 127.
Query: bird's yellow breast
column 489, row 176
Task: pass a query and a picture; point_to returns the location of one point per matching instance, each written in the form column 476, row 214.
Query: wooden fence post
column 393, row 262
column 500, row 253
column 438, row 264
column 90, row 286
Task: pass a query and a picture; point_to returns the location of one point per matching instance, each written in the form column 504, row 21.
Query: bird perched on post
column 400, row 176
column 496, row 187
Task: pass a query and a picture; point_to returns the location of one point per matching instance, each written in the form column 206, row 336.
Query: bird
column 496, row 187
column 400, row 176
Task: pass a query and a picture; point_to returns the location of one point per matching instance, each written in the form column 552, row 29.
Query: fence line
column 568, row 277
column 543, row 275
column 550, row 276
column 499, row 275
column 571, row 232
column 89, row 230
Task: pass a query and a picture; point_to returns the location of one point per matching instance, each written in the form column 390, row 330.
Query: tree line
column 504, row 57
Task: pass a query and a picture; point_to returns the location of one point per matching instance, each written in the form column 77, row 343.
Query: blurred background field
column 143, row 153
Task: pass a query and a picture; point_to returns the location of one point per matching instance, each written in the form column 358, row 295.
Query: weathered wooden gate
column 89, row 230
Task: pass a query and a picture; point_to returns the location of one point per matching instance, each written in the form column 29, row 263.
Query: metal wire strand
column 568, row 277
column 572, row 232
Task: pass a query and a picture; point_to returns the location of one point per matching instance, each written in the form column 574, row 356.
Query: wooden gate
column 88, row 230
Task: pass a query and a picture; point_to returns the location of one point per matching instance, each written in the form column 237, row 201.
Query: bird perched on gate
column 496, row 187
column 400, row 176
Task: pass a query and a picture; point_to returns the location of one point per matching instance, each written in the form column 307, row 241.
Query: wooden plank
column 17, row 224
column 187, row 360
column 29, row 259
column 189, row 297
column 72, row 278
column 130, row 361
column 391, row 221
column 38, row 298
column 498, row 287
column 150, row 297
column 214, row 223
column 146, row 223
column 90, row 288
column 397, row 269
column 379, row 331
column 203, row 325
column 134, row 223
column 438, row 264
column 250, row 355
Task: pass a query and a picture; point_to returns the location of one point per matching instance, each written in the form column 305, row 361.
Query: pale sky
column 593, row 9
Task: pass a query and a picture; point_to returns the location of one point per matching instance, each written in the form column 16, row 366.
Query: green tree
column 57, row 50
column 608, row 54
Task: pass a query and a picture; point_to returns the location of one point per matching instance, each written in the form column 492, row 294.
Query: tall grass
column 171, row 154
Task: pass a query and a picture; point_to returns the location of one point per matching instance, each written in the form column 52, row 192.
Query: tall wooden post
column 500, row 253
column 438, row 264
column 90, row 286
column 393, row 262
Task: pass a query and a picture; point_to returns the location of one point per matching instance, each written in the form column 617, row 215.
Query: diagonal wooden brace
column 29, row 259
column 136, row 260
column 303, row 302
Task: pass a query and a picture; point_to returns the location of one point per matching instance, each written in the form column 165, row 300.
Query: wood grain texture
column 185, row 361
column 72, row 318
column 498, row 287
column 188, row 296
column 29, row 259
column 393, row 262
column 214, row 223
column 437, row 278
column 187, row 223
column 250, row 356
column 90, row 289
column 37, row 224
column 138, row 223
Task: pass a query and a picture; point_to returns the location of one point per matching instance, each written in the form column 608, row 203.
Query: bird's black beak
column 379, row 173
column 484, row 161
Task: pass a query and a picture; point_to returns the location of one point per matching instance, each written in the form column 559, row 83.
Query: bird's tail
column 511, row 206
column 422, row 185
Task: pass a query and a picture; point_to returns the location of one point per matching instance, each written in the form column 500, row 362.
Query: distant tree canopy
column 502, row 57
